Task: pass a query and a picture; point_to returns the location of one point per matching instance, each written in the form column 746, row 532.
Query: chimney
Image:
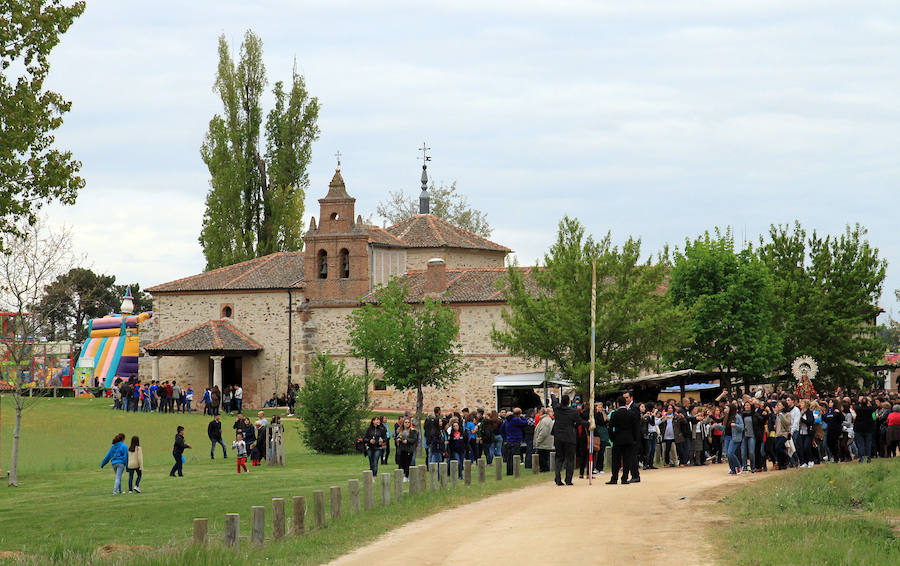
column 435, row 277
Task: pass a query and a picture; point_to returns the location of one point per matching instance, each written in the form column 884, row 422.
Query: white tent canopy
column 535, row 379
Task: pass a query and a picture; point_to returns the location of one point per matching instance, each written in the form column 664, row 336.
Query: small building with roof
column 260, row 323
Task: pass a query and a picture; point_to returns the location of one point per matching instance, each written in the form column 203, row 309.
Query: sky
column 658, row 120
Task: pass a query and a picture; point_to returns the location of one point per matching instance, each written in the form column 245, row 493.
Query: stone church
column 260, row 323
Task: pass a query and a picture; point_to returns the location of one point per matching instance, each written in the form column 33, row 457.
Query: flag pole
column 593, row 355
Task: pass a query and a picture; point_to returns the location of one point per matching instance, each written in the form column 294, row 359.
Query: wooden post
column 435, row 470
column 299, row 526
column 535, row 464
column 607, row 455
column 454, row 472
column 413, row 480
column 467, row 472
column 335, row 502
column 398, row 484
column 277, row 518
column 553, row 461
column 517, row 463
column 368, row 490
column 201, row 528
column 353, row 492
column 442, row 475
column 232, row 529
column 319, row 508
column 258, row 524
column 385, row 489
column 482, row 466
column 498, row 468
column 423, row 474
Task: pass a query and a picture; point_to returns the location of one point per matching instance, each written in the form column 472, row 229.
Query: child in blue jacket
column 118, row 457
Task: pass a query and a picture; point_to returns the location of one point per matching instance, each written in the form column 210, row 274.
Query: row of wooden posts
column 421, row 480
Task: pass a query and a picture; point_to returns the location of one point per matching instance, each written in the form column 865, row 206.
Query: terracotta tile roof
column 429, row 231
column 211, row 336
column 472, row 285
column 274, row 271
column 381, row 237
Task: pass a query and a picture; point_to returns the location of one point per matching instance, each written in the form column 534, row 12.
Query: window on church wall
column 227, row 311
column 379, row 385
column 323, row 264
column 345, row 263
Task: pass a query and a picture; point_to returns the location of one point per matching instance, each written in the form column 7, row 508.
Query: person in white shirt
column 795, row 428
column 238, row 398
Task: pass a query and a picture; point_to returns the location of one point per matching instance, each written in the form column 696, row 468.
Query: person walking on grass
column 240, row 448
column 135, row 465
column 118, row 457
column 178, row 452
column 214, row 431
column 375, row 439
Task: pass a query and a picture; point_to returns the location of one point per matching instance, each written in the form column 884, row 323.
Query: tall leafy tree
column 446, row 203
column 255, row 203
column 33, row 171
column 549, row 312
column 731, row 297
column 413, row 344
column 828, row 288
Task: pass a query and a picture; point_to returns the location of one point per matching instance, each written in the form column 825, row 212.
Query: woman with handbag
column 782, row 435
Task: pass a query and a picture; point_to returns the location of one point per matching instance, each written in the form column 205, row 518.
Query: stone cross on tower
column 424, row 198
column 338, row 154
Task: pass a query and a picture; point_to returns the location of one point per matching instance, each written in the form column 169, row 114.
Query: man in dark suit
column 565, row 421
column 635, row 411
column 621, row 433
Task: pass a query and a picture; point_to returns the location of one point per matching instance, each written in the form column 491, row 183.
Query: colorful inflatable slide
column 113, row 344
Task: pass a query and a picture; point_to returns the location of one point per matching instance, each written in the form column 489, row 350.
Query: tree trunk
column 14, row 460
column 419, row 402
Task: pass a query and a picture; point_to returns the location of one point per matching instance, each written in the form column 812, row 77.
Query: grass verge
column 63, row 511
column 832, row 514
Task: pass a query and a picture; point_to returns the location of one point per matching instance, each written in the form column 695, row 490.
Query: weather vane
column 338, row 155
column 425, row 149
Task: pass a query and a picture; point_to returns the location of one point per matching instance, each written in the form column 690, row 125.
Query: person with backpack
column 178, row 452
column 135, row 465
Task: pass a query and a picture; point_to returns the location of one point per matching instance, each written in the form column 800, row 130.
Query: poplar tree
column 255, row 203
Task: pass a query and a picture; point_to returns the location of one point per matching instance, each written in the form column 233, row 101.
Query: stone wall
column 261, row 316
column 328, row 330
column 417, row 258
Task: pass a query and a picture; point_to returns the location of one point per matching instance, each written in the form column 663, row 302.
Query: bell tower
column 336, row 255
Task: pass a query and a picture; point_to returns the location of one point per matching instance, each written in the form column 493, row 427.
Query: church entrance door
column 231, row 371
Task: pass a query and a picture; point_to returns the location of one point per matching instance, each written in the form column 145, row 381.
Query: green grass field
column 845, row 514
column 63, row 509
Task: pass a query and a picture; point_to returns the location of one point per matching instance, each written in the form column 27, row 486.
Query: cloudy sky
column 654, row 119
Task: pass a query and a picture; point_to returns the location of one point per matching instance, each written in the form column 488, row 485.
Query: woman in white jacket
column 135, row 464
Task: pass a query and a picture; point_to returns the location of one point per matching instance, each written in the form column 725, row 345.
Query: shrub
column 331, row 407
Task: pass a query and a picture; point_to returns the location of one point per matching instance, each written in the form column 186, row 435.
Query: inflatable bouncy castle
column 113, row 343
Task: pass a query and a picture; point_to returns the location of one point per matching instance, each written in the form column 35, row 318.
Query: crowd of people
column 754, row 431
column 150, row 396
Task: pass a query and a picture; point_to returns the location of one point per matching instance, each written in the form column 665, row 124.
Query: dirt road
column 661, row 520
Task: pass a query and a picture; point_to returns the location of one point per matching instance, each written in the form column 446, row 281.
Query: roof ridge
column 217, row 340
column 211, row 272
column 429, row 218
column 267, row 258
column 179, row 335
